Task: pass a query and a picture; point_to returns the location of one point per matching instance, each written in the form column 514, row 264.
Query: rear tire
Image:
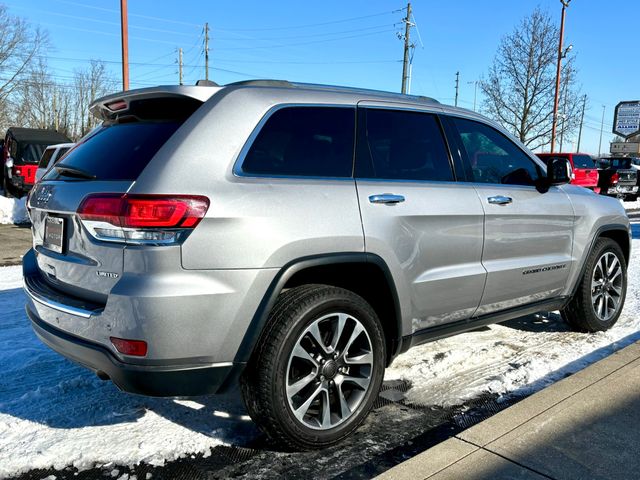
column 599, row 299
column 317, row 368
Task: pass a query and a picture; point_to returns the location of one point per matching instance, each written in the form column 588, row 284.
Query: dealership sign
column 626, row 122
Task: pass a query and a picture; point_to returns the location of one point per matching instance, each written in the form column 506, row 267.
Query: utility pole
column 180, row 65
column 55, row 112
column 584, row 104
column 124, row 26
column 565, row 4
column 475, row 92
column 601, row 129
column 206, row 51
column 564, row 109
column 457, row 86
column 407, row 45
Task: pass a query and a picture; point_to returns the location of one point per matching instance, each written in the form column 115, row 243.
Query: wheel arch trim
column 259, row 320
column 598, row 233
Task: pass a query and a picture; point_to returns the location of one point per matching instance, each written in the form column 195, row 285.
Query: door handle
column 387, row 198
column 500, row 200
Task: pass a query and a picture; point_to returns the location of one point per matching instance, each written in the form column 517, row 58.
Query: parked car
column 585, row 170
column 52, row 154
column 22, row 150
column 618, row 178
column 297, row 238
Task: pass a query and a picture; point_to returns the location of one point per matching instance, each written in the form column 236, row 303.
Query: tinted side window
column 396, row 144
column 493, row 157
column 304, row 141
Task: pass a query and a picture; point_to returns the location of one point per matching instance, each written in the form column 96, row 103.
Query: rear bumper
column 154, row 380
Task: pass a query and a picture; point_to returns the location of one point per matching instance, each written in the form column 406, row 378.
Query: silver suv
column 296, row 238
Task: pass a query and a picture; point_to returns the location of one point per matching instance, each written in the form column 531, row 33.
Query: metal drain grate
column 392, row 391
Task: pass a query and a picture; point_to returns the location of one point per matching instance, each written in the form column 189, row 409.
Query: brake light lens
column 136, row 348
column 141, row 218
column 614, row 178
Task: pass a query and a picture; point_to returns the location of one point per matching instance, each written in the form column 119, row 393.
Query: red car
column 21, row 152
column 585, row 171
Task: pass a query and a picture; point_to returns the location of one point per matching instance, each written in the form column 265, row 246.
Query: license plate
column 53, row 234
column 624, row 189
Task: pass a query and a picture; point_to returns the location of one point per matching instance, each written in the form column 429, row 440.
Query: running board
column 449, row 329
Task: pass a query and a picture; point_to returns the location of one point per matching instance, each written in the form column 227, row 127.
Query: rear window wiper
column 74, row 172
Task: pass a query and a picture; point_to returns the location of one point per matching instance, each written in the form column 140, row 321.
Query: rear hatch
column 82, row 255
column 585, row 171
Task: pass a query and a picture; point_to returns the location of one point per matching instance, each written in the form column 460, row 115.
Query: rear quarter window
column 305, row 142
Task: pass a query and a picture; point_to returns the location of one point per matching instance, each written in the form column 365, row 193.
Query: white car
column 50, row 157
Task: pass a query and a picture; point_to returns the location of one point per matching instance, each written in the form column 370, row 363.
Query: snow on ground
column 631, row 205
column 13, row 210
column 53, row 413
column 518, row 357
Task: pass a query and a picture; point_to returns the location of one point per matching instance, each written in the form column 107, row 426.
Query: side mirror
column 558, row 171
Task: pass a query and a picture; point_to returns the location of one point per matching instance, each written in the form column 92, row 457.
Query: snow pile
column 518, row 357
column 13, row 210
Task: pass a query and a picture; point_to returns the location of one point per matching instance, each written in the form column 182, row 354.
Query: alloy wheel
column 329, row 371
column 606, row 286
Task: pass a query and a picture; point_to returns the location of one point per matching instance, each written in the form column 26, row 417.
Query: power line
column 104, row 22
column 308, row 43
column 147, row 17
column 309, row 25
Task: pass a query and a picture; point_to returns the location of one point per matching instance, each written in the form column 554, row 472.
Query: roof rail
column 335, row 88
column 261, row 83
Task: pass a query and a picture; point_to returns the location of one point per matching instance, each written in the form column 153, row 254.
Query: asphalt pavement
column 15, row 240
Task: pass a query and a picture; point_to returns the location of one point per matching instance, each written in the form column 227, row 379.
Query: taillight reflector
column 614, row 178
column 136, row 348
column 145, row 211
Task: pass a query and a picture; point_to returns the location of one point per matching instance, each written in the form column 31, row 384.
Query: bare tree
column 20, row 46
column 90, row 83
column 520, row 86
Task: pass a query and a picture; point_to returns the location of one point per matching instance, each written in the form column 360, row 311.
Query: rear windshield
column 46, row 156
column 117, row 151
column 30, row 152
column 583, row 161
column 620, row 162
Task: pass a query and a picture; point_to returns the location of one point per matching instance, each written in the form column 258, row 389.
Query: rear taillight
column 614, row 178
column 16, row 171
column 142, row 218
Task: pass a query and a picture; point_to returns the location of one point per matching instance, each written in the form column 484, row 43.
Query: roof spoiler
column 111, row 105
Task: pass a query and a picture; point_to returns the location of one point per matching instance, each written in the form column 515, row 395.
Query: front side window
column 404, row 145
column 304, row 141
column 493, row 157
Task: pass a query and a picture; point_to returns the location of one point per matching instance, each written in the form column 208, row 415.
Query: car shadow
column 41, row 386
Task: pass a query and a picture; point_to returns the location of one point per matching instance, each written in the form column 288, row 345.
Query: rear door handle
column 500, row 200
column 388, row 198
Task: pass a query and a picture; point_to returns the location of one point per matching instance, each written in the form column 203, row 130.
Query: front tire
column 598, row 302
column 317, row 369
